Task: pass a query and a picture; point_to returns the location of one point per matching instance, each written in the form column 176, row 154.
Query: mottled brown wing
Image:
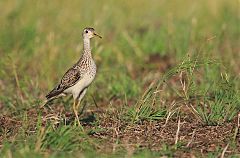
column 69, row 79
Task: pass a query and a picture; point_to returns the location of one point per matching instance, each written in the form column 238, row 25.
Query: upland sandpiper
column 78, row 78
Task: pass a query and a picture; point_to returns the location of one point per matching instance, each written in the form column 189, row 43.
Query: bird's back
column 76, row 78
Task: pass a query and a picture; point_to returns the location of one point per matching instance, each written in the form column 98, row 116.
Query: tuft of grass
column 145, row 112
column 214, row 104
column 221, row 104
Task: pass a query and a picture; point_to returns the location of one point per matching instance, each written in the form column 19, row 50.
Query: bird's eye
column 86, row 31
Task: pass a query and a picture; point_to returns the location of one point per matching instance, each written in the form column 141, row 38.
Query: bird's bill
column 97, row 35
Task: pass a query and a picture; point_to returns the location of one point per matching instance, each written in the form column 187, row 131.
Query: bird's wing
column 69, row 79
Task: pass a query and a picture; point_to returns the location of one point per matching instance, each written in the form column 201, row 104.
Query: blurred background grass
column 40, row 40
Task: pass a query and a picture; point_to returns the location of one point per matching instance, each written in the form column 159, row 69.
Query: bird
column 79, row 77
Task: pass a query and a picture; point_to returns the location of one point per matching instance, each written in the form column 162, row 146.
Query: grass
column 167, row 82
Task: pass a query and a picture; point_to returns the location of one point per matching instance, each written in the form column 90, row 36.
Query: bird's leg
column 78, row 104
column 82, row 93
column 76, row 112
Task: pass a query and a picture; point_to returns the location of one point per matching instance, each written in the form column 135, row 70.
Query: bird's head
column 89, row 33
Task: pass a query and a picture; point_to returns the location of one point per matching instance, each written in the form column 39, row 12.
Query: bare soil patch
column 194, row 138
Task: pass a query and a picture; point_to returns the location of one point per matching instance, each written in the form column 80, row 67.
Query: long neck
column 86, row 47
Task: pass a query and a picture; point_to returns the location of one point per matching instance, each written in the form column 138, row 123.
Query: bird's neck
column 86, row 47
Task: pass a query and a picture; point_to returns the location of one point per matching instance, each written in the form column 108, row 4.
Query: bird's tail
column 55, row 92
column 50, row 98
column 44, row 103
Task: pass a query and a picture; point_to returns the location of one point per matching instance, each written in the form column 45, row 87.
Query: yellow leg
column 75, row 110
column 78, row 104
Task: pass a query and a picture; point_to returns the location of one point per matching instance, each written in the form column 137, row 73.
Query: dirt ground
column 193, row 137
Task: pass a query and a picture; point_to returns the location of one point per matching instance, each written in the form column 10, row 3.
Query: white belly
column 80, row 85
